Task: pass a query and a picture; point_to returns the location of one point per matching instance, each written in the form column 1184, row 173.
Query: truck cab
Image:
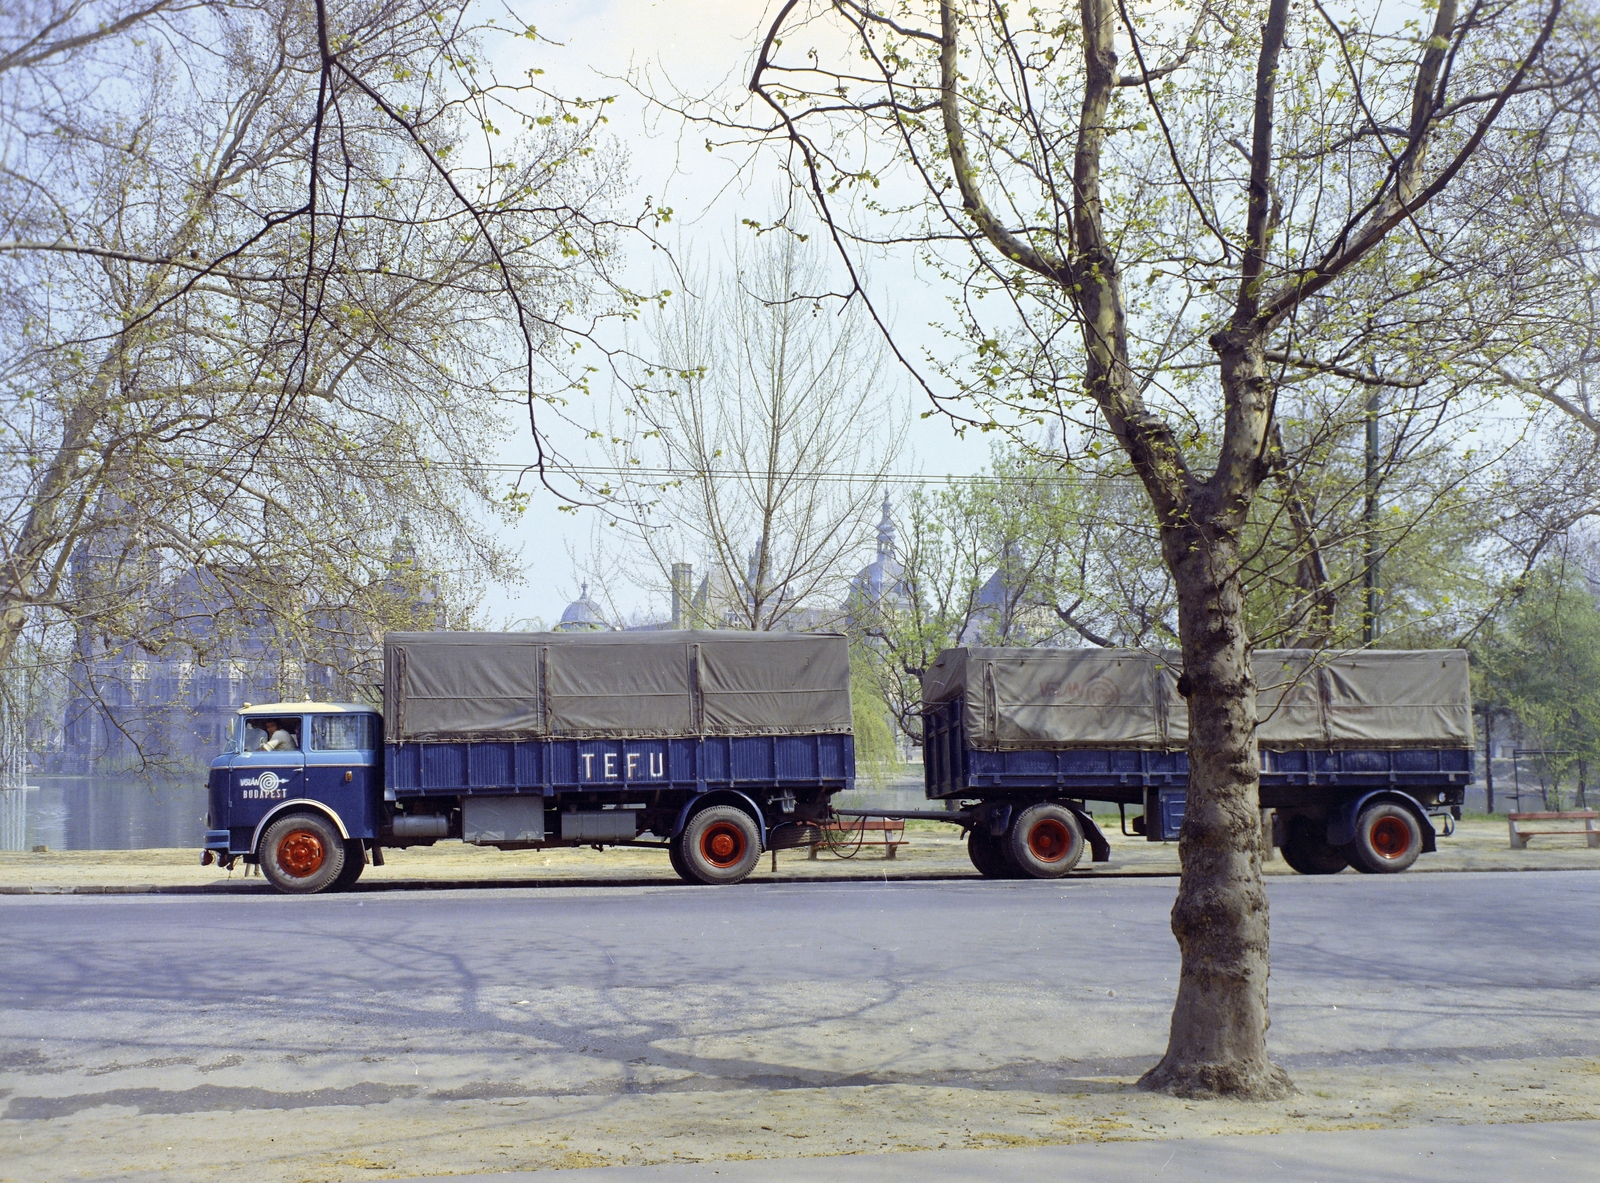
column 297, row 790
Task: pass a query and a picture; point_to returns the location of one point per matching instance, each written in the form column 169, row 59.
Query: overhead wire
column 350, row 463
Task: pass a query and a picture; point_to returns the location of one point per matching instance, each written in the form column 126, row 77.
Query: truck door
column 259, row 780
column 341, row 761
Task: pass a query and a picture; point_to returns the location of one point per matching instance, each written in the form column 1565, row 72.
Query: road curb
column 375, row 888
column 237, row 887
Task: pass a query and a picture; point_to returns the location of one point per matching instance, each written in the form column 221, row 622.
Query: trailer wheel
column 986, row 854
column 720, row 844
column 355, row 862
column 1307, row 849
column 1044, row 841
column 1388, row 839
column 302, row 853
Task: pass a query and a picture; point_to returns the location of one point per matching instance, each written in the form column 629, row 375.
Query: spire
column 403, row 552
column 885, row 531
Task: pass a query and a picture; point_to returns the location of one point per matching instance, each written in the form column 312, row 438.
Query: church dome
column 582, row 613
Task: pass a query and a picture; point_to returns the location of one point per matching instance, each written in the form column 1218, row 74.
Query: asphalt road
column 1544, row 1152
column 600, row 1007
column 182, row 1005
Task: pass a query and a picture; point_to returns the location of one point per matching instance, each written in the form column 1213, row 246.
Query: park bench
column 889, row 831
column 1539, row 825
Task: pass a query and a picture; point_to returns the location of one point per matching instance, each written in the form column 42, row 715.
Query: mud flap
column 1099, row 848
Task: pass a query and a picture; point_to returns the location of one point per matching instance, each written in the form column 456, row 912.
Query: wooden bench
column 889, row 831
column 1520, row 833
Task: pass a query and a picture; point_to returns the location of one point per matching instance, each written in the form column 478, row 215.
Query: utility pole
column 1370, row 628
column 1488, row 755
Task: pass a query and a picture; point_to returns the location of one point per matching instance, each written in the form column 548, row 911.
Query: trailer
column 1360, row 751
column 712, row 745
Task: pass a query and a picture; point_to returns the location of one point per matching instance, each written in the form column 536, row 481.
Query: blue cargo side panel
column 951, row 768
column 1072, row 772
column 464, row 768
column 1367, row 768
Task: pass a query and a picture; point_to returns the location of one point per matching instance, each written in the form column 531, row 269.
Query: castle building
column 204, row 650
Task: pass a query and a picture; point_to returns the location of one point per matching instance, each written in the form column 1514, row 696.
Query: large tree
column 277, row 274
column 1154, row 217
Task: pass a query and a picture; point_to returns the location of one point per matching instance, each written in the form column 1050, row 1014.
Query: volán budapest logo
column 266, row 785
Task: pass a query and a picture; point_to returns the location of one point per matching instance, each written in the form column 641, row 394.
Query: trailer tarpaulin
column 1372, row 701
column 1103, row 692
column 1016, row 699
column 647, row 684
column 1033, row 698
column 1289, row 706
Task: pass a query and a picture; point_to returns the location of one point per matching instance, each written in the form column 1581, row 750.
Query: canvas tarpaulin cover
column 1103, row 698
column 440, row 686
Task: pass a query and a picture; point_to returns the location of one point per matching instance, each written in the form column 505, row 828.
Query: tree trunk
column 1218, row 1042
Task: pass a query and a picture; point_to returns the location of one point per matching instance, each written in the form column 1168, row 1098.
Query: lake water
column 114, row 813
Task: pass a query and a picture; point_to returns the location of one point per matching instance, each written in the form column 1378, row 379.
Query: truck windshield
column 250, row 737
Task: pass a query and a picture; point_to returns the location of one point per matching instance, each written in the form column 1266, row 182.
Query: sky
column 696, row 46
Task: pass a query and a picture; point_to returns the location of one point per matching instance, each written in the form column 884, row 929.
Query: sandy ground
column 1479, row 844
column 422, row 1136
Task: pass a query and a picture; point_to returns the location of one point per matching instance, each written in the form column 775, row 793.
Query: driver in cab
column 279, row 738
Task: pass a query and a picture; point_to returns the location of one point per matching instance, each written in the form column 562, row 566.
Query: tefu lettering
column 588, row 766
column 633, row 764
column 611, row 766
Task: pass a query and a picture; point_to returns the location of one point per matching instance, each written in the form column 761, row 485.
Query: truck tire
column 675, row 857
column 1307, row 849
column 355, row 862
column 720, row 844
column 301, row 854
column 1388, row 839
column 986, row 854
column 1044, row 841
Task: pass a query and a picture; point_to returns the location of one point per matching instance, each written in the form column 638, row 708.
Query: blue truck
column 1360, row 753
column 712, row 745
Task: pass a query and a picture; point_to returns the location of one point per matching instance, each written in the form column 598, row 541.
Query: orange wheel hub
column 1049, row 840
column 1390, row 837
column 301, row 853
column 723, row 844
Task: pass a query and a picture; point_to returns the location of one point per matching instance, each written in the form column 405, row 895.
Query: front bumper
column 216, row 849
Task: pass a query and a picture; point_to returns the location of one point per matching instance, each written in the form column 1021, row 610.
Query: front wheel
column 720, row 844
column 355, row 862
column 302, row 853
column 1388, row 839
column 1308, row 851
column 1044, row 841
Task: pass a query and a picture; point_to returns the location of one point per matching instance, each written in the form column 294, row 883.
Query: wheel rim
column 723, row 844
column 301, row 853
column 1390, row 837
column 1049, row 840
